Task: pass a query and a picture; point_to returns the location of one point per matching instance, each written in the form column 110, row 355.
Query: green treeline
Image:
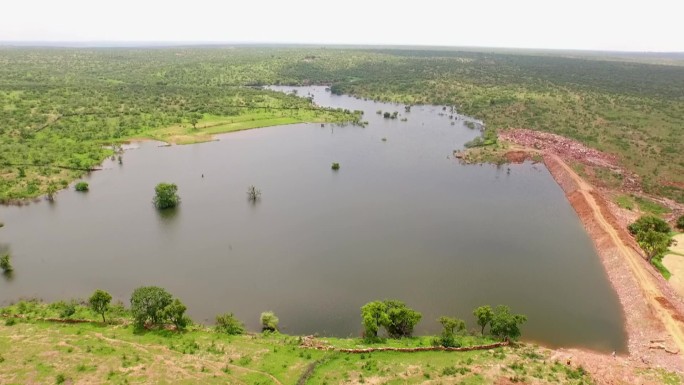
column 61, row 107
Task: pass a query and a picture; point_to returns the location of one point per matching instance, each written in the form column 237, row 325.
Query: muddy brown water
column 400, row 219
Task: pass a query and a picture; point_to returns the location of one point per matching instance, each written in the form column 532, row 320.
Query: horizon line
column 182, row 43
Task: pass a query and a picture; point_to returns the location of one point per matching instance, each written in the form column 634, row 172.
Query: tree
column 653, row 242
column 253, row 193
column 484, row 315
column 175, row 313
column 194, row 119
column 373, row 316
column 81, row 186
column 450, row 326
column 335, row 166
column 99, row 302
column 269, row 321
column 397, row 318
column 148, row 304
column 5, row 263
column 227, row 323
column 649, row 222
column 680, row 223
column 505, row 325
column 166, row 196
column 400, row 319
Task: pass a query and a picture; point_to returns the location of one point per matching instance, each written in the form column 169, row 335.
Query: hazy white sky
column 653, row 25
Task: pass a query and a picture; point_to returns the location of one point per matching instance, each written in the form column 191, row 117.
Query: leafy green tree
column 373, row 316
column 148, row 304
column 99, row 302
column 229, row 324
column 505, row 325
column 484, row 316
column 81, row 186
column 400, row 319
column 175, row 313
column 397, row 318
column 166, row 196
column 269, row 321
column 654, row 243
column 194, row 119
column 450, row 326
column 5, row 263
column 649, row 222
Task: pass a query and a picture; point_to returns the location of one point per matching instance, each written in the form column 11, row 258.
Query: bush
column 335, row 166
column 227, row 323
column 649, row 222
column 81, row 186
column 68, row 309
column 680, row 223
column 166, row 196
column 269, row 321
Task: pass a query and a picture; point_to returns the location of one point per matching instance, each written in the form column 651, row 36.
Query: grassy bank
column 33, row 350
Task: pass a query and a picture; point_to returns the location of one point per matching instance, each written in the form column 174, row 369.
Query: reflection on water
column 400, row 219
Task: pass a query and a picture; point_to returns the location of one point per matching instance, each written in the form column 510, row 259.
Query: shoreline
column 652, row 311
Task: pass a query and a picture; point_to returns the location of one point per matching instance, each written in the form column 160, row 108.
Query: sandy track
column 655, row 311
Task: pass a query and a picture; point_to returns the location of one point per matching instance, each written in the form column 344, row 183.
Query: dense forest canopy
column 61, row 107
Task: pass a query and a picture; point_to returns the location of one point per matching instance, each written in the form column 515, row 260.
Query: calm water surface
column 401, row 219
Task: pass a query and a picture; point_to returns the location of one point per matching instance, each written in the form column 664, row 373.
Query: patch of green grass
column 625, row 202
column 649, row 206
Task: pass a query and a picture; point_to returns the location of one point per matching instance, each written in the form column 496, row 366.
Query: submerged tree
column 253, row 193
column 269, row 321
column 51, row 191
column 166, row 196
column 5, row 263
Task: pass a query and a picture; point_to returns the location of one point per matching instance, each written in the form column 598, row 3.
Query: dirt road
column 608, row 237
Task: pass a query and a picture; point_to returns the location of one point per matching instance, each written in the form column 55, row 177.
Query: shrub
column 680, row 223
column 81, row 186
column 269, row 321
column 335, row 166
column 68, row 309
column 166, row 196
column 227, row 323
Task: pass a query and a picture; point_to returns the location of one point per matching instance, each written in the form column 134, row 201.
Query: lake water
column 401, row 219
